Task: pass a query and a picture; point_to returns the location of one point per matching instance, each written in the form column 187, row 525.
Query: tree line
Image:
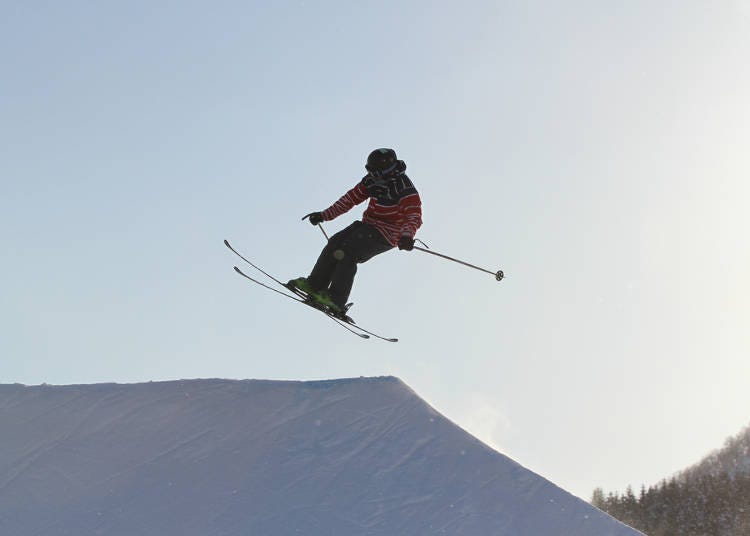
column 711, row 498
column 707, row 505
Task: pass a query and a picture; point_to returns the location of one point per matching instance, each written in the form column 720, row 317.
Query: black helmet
column 381, row 161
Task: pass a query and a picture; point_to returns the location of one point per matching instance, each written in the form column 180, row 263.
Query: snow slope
column 262, row 458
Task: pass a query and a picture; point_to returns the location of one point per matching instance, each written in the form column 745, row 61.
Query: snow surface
column 346, row 457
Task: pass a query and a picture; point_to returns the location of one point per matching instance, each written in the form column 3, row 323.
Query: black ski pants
column 337, row 264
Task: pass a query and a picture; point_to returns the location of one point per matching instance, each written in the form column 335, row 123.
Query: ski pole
column 499, row 275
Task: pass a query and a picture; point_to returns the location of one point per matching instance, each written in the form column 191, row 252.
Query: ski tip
column 226, row 243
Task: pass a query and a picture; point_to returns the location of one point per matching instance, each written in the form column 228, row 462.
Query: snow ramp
column 348, row 457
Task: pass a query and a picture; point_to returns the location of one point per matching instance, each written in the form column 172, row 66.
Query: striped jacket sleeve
column 411, row 210
column 351, row 198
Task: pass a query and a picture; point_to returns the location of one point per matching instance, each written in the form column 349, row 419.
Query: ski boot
column 301, row 285
column 320, row 299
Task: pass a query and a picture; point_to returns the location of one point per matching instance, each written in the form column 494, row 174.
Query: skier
column 391, row 219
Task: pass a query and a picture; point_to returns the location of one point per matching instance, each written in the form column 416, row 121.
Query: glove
column 315, row 218
column 406, row 242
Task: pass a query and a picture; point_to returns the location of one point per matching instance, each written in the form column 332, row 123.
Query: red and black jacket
column 394, row 209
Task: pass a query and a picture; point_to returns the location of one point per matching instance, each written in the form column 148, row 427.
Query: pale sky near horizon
column 597, row 152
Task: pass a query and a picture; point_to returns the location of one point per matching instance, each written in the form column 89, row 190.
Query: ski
column 302, row 298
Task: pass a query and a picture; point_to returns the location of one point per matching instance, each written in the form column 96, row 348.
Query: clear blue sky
column 595, row 151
